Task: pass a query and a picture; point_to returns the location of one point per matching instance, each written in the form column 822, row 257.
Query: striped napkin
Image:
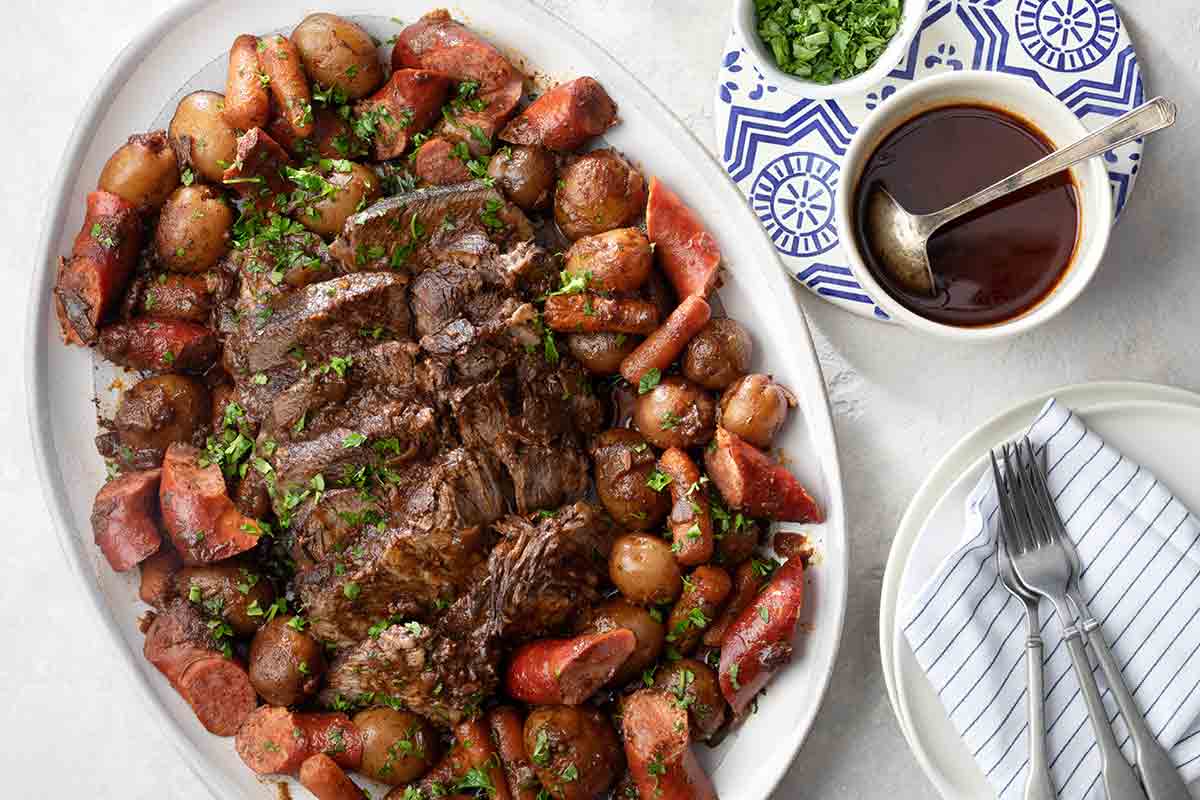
column 1141, row 577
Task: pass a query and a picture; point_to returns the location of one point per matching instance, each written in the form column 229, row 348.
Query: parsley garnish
column 658, row 480
column 825, row 41
column 649, row 380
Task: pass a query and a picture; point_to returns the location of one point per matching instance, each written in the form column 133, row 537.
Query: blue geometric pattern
column 785, row 152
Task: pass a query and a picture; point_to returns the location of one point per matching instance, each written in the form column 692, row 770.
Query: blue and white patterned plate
column 784, row 152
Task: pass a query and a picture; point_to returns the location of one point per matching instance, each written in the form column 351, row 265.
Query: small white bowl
column 1024, row 100
column 745, row 22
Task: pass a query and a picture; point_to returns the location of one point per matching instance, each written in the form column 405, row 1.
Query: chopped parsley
column 827, row 40
column 658, row 480
column 649, row 380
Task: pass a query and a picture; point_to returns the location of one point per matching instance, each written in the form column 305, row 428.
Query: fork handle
column 1159, row 775
column 1119, row 780
column 1038, row 785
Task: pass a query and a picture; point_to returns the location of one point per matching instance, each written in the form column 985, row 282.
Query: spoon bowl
column 900, row 238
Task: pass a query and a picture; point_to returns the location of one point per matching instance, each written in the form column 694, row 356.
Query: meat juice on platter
column 998, row 262
column 393, row 328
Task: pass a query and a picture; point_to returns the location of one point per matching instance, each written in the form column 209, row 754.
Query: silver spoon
column 899, row 237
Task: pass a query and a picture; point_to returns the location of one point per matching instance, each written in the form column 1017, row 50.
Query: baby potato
column 616, row 261
column 336, row 52
column 719, row 354
column 201, row 136
column 398, row 746
column 143, row 171
column 676, row 413
column 352, row 191
column 650, row 636
column 755, row 407
column 624, row 467
column 230, row 589
column 602, row 353
column 526, row 174
column 644, row 569
column 286, row 663
column 598, row 192
column 193, row 229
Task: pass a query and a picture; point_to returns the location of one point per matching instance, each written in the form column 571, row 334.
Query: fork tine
column 1027, row 489
column 1042, row 490
column 1020, row 512
column 1007, row 529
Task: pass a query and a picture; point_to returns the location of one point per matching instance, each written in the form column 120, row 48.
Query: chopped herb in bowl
column 827, row 40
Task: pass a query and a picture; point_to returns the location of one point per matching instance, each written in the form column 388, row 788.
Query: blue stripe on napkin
column 1141, row 577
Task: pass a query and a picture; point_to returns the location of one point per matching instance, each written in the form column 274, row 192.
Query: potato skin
column 286, row 664
column 624, row 462
column 755, row 407
column 650, row 634
column 617, row 261
column 676, row 413
column 601, row 353
column 193, row 229
column 223, row 582
column 355, row 189
column 398, row 746
column 573, row 736
column 143, row 171
column 201, row 136
column 526, row 174
column 719, row 354
column 160, row 410
column 644, row 569
column 337, row 52
column 598, row 192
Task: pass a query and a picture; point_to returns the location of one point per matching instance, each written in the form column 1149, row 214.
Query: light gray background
column 70, row 724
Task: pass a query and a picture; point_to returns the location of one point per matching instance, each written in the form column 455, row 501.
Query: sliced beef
column 410, row 232
column 388, row 371
column 543, row 475
column 325, row 528
column 440, row 511
column 535, row 577
column 324, row 319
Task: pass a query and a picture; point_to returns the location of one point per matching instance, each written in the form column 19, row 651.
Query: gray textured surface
column 70, row 724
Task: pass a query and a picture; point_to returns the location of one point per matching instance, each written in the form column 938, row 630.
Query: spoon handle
column 1149, row 117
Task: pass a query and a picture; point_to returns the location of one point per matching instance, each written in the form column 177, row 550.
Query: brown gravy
column 999, row 262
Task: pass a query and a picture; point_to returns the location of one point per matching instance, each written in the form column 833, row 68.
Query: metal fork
column 1042, row 565
column 1159, row 776
column 1038, row 785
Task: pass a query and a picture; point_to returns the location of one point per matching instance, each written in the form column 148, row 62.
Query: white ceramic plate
column 1158, row 426
column 185, row 49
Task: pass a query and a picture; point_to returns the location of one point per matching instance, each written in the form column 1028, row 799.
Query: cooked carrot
column 247, row 104
column 280, row 60
column 666, row 344
column 704, row 595
column 593, row 313
column 690, row 521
